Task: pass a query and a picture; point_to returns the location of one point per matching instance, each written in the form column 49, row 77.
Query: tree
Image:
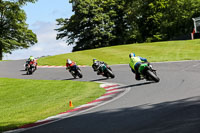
column 100, row 23
column 154, row 20
column 96, row 23
column 178, row 18
column 14, row 32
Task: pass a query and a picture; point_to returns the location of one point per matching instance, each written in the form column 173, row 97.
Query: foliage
column 96, row 23
column 163, row 19
column 14, row 32
column 99, row 23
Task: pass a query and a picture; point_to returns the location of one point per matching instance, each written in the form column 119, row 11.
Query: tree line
column 100, row 23
column 14, row 32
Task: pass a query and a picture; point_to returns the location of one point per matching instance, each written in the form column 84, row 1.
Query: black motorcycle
column 148, row 72
column 76, row 71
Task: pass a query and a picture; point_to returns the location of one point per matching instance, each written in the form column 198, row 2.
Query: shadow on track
column 168, row 117
column 25, row 73
column 71, row 79
column 99, row 79
column 139, row 84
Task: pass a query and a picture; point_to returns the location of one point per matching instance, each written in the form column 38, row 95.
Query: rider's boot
column 137, row 76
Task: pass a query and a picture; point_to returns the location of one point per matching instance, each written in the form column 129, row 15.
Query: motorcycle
column 30, row 68
column 148, row 72
column 106, row 71
column 26, row 65
column 76, row 72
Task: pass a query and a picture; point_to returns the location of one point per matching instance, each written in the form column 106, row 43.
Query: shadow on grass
column 181, row 116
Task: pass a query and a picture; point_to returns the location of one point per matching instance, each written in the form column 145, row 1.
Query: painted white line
column 117, row 87
column 118, row 90
column 107, row 85
column 16, row 131
column 89, row 104
column 56, row 117
column 103, row 97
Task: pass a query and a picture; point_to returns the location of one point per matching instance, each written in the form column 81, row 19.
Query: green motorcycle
column 107, row 71
column 148, row 72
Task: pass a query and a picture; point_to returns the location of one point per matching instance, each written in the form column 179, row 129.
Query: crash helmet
column 31, row 58
column 94, row 60
column 69, row 61
column 131, row 55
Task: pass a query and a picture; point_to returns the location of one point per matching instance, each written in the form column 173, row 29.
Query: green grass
column 154, row 52
column 26, row 101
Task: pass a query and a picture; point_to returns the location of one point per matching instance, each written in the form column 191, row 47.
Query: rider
column 70, row 65
column 96, row 66
column 31, row 58
column 135, row 62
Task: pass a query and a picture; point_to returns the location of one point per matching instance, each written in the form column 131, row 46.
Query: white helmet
column 69, row 61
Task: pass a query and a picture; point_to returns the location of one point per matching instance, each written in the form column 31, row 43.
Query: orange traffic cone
column 70, row 104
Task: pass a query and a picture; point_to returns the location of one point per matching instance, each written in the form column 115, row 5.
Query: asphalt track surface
column 170, row 106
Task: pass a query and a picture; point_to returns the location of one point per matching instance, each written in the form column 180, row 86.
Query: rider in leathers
column 135, row 62
column 96, row 66
column 31, row 58
column 71, row 65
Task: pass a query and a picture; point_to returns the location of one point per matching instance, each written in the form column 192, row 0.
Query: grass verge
column 154, row 52
column 26, row 101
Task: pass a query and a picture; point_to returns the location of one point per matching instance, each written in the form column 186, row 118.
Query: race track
column 170, row 106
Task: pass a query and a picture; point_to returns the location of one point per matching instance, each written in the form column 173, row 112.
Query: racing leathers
column 135, row 63
column 71, row 66
column 97, row 67
column 34, row 62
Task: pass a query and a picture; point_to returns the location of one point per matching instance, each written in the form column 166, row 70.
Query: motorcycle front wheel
column 79, row 74
column 152, row 76
column 110, row 73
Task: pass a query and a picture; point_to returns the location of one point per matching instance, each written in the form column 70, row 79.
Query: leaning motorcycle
column 26, row 65
column 107, row 71
column 30, row 68
column 148, row 72
column 76, row 72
